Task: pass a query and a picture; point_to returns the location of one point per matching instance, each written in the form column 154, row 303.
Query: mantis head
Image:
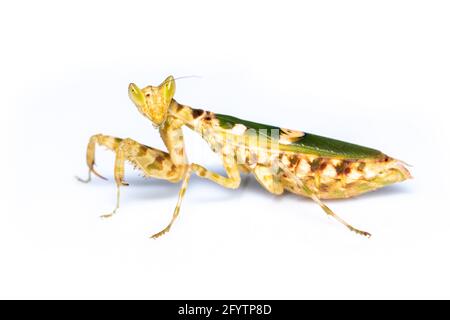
column 153, row 102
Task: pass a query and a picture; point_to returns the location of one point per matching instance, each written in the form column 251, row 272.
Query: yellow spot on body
column 329, row 171
column 335, row 162
column 285, row 161
column 303, row 168
column 311, row 158
column 354, row 175
column 287, row 136
column 239, row 129
column 369, row 173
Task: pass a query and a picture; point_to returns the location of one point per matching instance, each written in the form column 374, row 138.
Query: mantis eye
column 168, row 89
column 136, row 95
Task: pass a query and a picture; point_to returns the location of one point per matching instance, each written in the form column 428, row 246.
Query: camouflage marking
column 280, row 159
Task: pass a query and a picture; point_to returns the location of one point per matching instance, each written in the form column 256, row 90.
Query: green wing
column 308, row 143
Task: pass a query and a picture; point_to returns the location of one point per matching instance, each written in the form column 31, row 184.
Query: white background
column 373, row 73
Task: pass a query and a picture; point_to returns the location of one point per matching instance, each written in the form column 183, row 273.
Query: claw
column 89, row 178
column 362, row 233
column 109, row 215
column 84, row 180
column 98, row 174
column 161, row 233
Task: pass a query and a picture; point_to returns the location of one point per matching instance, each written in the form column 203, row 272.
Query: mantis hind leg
column 316, row 199
column 232, row 180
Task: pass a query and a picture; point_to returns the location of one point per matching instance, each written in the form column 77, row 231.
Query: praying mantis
column 280, row 159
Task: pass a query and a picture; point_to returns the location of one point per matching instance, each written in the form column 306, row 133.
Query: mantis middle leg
column 231, row 181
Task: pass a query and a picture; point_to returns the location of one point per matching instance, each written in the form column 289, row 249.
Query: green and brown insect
column 280, row 159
